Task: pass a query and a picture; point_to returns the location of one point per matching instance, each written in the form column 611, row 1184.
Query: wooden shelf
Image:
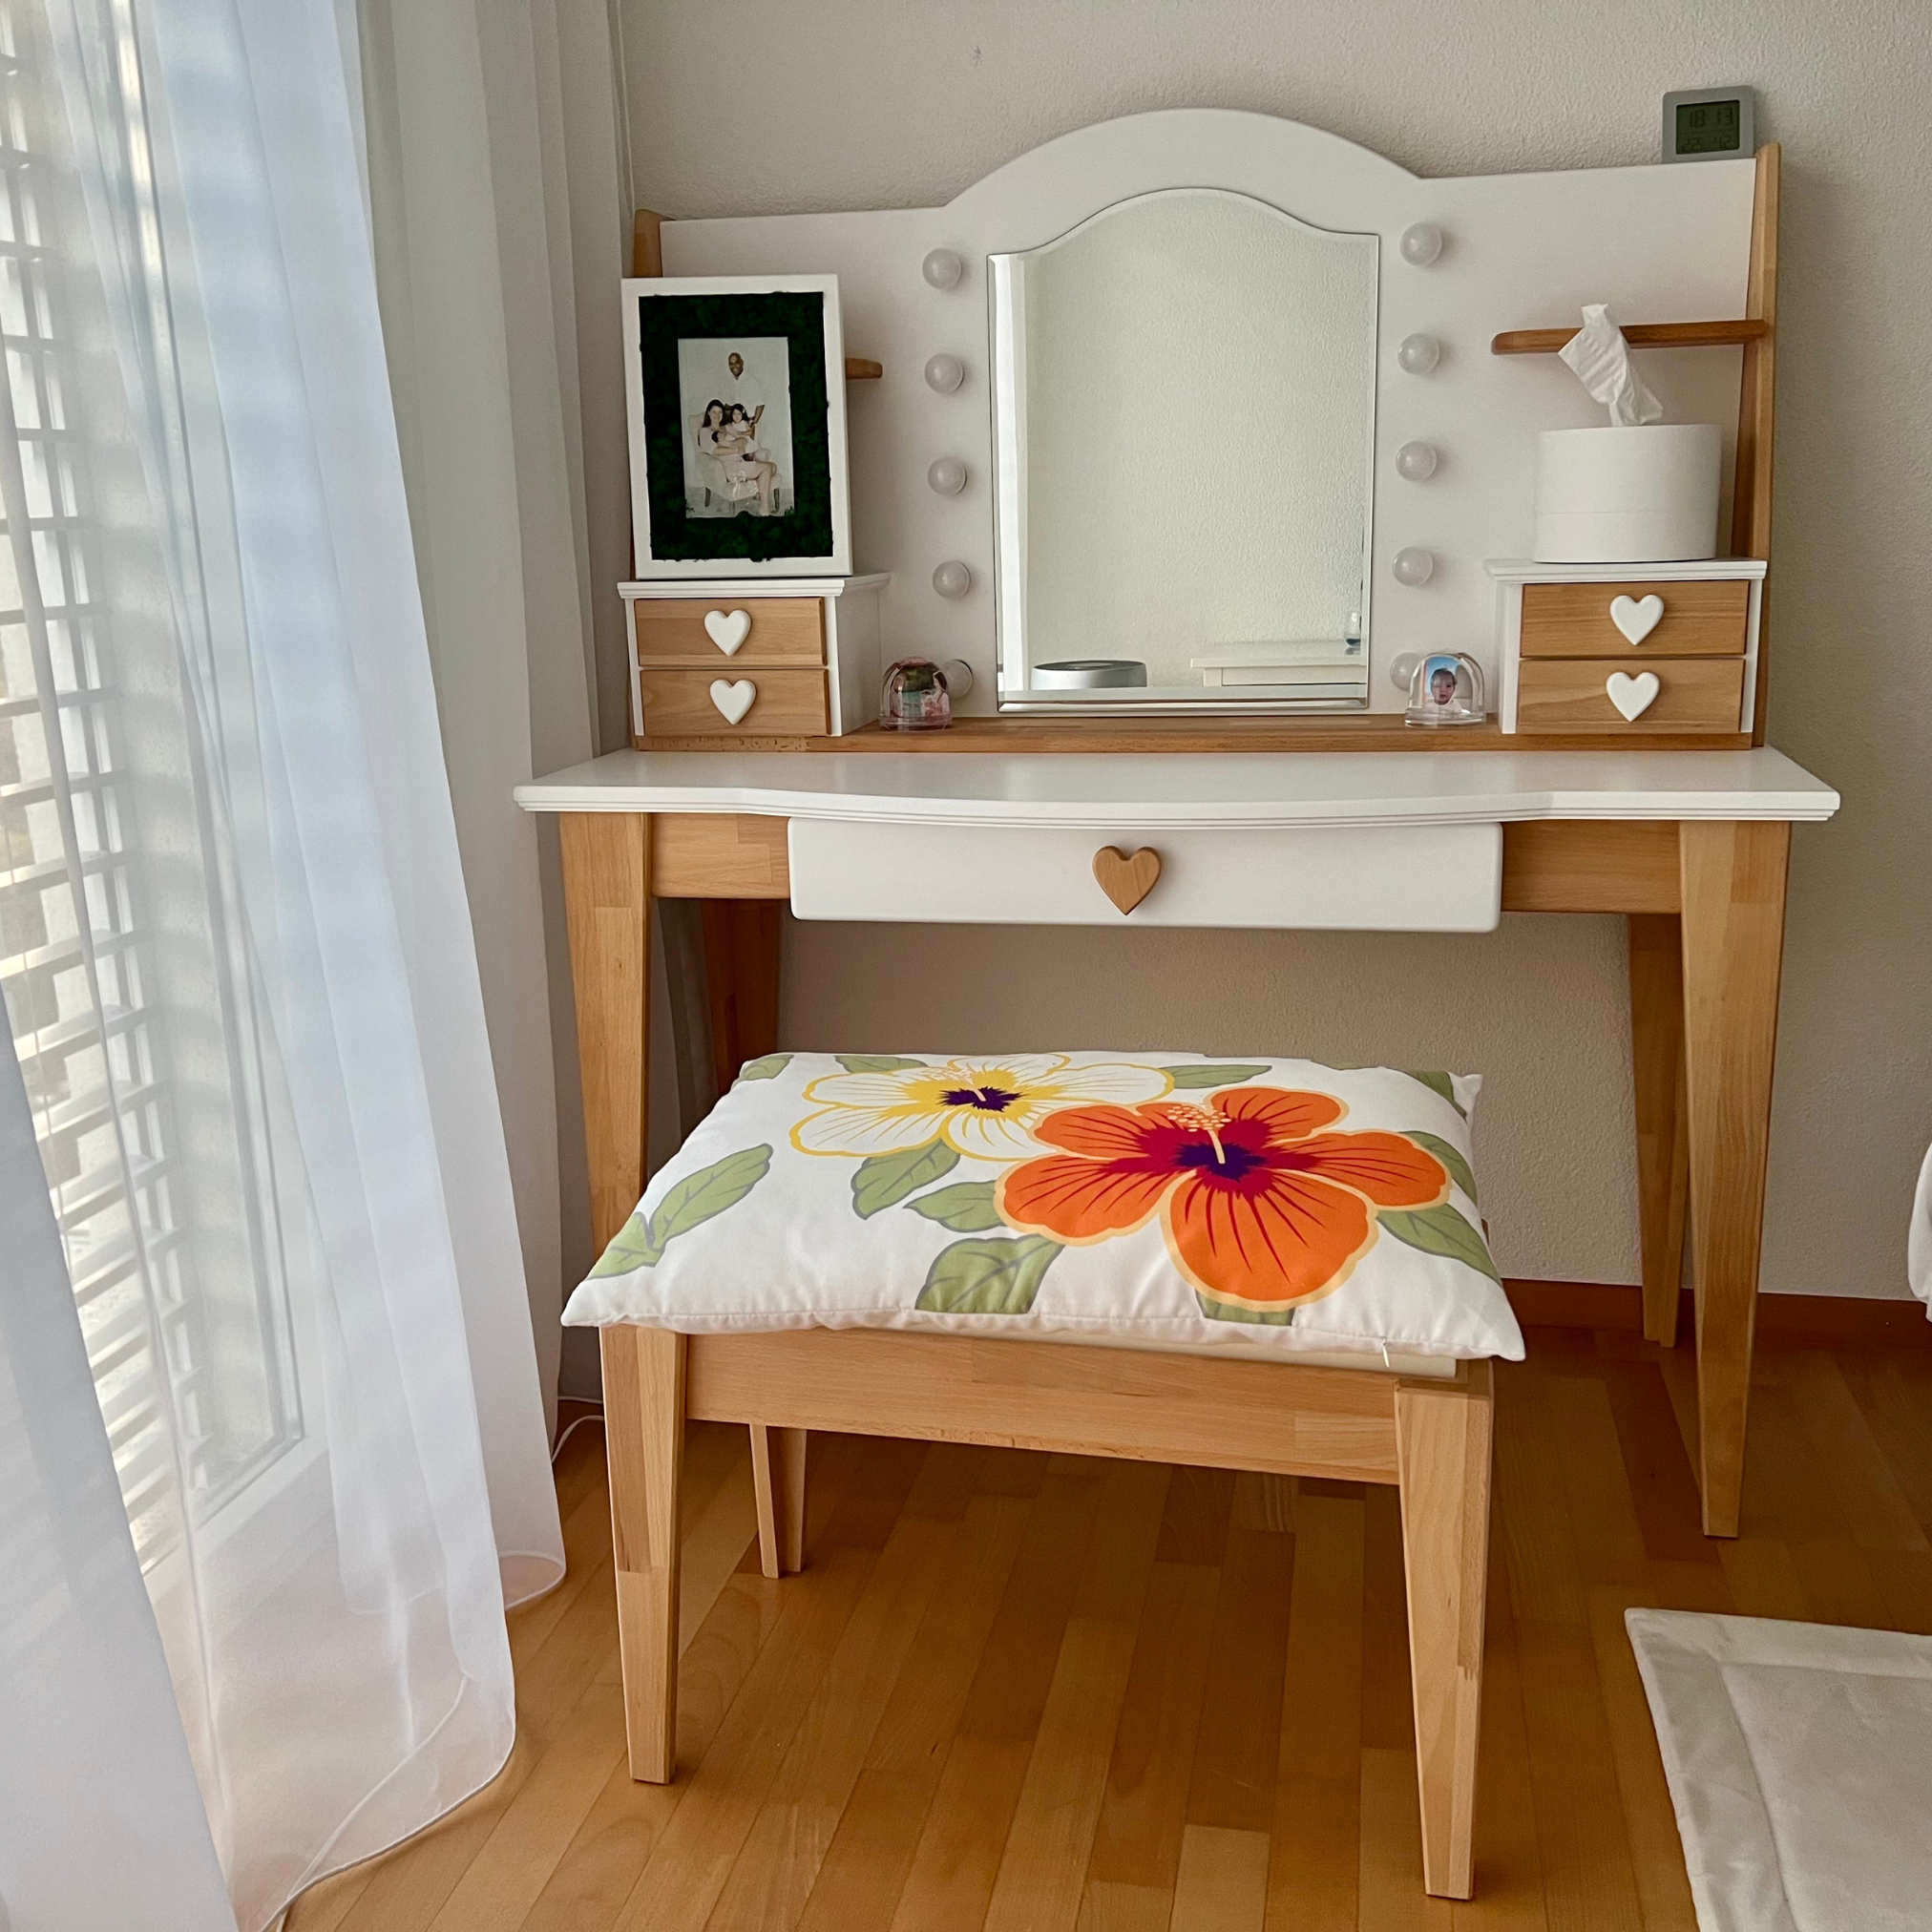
column 1383, row 731
column 1639, row 335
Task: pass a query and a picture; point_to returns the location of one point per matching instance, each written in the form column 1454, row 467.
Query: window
column 148, row 1100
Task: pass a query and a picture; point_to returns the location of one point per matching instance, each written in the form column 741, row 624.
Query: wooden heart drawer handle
column 1127, row 879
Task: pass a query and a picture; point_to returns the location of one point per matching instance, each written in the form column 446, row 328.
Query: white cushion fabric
column 1161, row 1199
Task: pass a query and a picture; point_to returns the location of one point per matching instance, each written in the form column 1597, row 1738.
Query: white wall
column 901, row 103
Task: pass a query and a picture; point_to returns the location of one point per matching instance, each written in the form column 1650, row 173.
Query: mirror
column 1184, row 434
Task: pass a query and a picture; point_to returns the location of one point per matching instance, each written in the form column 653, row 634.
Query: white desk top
column 1124, row 792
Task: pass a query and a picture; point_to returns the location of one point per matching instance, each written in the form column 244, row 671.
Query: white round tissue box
column 1644, row 494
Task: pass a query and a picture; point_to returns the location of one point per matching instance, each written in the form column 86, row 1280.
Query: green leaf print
column 632, row 1249
column 1230, row 1073
column 876, row 1063
column 1441, row 1231
column 767, row 1066
column 693, row 1201
column 966, row 1207
column 1460, row 1171
column 886, row 1179
column 1441, row 1086
column 1231, row 1311
column 987, row 1277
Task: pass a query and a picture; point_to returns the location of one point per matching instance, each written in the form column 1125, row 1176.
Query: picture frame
column 735, row 401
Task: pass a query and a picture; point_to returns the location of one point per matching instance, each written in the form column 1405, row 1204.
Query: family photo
column 735, row 400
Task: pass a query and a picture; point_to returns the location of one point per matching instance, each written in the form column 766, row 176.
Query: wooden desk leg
column 741, row 961
column 644, row 1378
column 1657, row 1063
column 607, row 897
column 1733, row 888
column 1443, row 1454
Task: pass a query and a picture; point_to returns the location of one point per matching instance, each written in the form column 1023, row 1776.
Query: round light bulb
column 946, row 475
column 958, row 676
column 1417, row 461
column 1421, row 244
column 1402, row 672
column 1414, row 565
column 1418, row 354
column 942, row 268
column 953, row 580
column 945, row 373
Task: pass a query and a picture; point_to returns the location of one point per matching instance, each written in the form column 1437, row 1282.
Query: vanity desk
column 1233, row 409
column 1690, row 845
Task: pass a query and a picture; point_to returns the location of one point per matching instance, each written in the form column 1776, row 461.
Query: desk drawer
column 1433, row 878
column 681, row 703
column 1699, row 620
column 776, row 630
column 1573, row 694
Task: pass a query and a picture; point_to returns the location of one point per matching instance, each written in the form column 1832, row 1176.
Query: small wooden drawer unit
column 754, row 659
column 1664, row 694
column 1658, row 650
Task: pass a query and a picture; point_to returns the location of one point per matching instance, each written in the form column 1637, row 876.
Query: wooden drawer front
column 1573, row 619
column 783, row 630
column 681, row 703
column 1572, row 694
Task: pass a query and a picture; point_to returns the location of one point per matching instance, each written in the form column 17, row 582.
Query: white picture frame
column 766, row 490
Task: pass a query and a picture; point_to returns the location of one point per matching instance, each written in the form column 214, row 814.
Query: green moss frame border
column 806, row 532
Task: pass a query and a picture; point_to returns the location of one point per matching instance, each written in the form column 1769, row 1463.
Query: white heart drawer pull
column 1631, row 696
column 729, row 629
column 734, row 700
column 1635, row 616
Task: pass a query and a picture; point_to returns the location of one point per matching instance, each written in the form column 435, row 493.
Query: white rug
column 1799, row 1757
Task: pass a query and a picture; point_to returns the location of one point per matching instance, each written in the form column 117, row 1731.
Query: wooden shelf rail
column 1638, row 334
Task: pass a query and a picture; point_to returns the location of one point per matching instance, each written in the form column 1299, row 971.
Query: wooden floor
column 1037, row 1693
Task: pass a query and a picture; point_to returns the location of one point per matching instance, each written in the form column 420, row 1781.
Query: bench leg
column 644, row 1378
column 778, row 1476
column 1442, row 1437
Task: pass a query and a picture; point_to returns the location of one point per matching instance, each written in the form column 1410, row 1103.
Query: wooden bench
column 1430, row 1437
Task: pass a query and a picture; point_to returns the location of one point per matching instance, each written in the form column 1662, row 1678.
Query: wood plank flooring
column 1049, row 1694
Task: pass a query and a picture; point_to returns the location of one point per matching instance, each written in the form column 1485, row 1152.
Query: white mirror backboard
column 1515, row 251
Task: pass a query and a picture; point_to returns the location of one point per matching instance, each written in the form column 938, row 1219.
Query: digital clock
column 1709, row 124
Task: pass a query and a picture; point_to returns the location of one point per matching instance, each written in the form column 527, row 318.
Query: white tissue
column 1601, row 358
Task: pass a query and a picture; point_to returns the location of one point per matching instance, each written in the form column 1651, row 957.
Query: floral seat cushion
column 1161, row 1200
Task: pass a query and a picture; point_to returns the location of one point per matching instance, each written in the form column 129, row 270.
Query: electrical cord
column 596, row 1415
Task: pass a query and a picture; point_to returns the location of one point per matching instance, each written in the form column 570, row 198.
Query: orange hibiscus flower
column 1259, row 1206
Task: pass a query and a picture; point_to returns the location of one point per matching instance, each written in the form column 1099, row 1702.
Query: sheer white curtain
column 240, row 972
column 87, row 1715
column 501, row 228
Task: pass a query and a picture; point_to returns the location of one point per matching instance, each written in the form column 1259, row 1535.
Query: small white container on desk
column 1638, row 495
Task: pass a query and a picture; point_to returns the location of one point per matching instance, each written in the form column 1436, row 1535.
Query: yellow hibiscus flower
column 985, row 1108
